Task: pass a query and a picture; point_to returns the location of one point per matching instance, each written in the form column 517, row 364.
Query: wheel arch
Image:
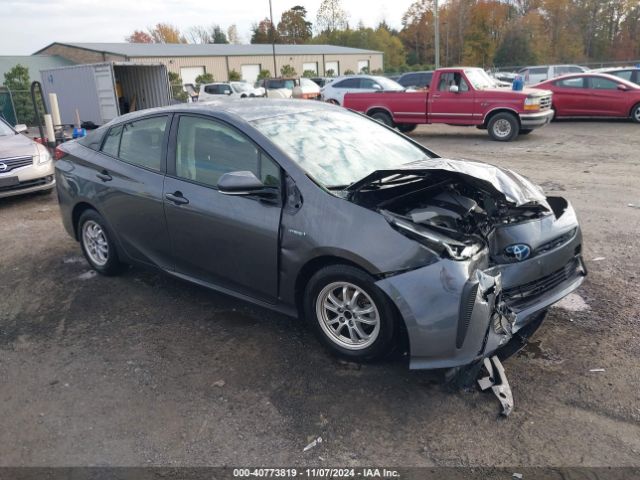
column 492, row 113
column 377, row 109
column 633, row 107
column 78, row 209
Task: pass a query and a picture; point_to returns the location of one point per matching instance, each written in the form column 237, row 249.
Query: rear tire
column 97, row 244
column 407, row 127
column 635, row 113
column 351, row 316
column 503, row 127
column 383, row 118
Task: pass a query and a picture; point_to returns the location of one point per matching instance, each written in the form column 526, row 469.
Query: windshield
column 479, row 79
column 5, row 130
column 240, row 87
column 338, row 148
column 388, row 84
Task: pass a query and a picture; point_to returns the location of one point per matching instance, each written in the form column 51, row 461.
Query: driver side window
column 450, row 79
column 207, row 149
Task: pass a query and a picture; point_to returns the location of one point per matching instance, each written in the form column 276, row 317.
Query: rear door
column 128, row 175
column 449, row 107
column 227, row 240
column 571, row 97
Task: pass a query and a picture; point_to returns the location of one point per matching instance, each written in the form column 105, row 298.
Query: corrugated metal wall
column 148, row 85
column 217, row 66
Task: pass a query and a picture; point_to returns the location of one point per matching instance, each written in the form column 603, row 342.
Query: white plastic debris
column 573, row 303
column 219, row 383
column 87, row 275
column 516, row 475
column 595, row 370
column 317, row 441
column 598, row 259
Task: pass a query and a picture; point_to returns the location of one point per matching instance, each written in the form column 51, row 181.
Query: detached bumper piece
column 496, row 380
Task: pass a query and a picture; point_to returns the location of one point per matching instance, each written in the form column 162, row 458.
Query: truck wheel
column 526, row 131
column 383, row 118
column 407, row 127
column 349, row 313
column 635, row 113
column 503, row 127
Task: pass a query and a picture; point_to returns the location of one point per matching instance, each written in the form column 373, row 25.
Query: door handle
column 435, row 96
column 104, row 176
column 176, row 198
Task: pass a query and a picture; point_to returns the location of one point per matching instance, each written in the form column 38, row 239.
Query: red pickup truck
column 459, row 96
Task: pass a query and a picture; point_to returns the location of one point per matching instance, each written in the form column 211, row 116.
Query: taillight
column 59, row 153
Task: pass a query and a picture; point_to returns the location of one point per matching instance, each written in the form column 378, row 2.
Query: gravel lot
column 144, row 369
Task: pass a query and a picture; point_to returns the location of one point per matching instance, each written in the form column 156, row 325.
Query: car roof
column 419, row 71
column 246, row 109
column 592, row 74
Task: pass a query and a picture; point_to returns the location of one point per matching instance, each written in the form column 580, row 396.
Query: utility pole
column 437, row 35
column 273, row 40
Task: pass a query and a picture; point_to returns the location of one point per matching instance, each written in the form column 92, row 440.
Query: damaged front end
column 506, row 254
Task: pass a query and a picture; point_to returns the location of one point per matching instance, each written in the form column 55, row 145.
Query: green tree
column 17, row 80
column 330, row 73
column 294, row 27
column 264, row 74
column 349, row 72
column 309, row 73
column 287, row 71
column 204, row 79
column 234, row 76
column 176, row 87
column 264, row 32
column 515, row 49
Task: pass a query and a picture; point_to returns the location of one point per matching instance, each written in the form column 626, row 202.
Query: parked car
column 459, row 96
column 217, row 90
column 631, row 74
column 336, row 90
column 416, row 79
column 594, row 95
column 277, row 87
column 306, row 89
column 277, row 202
column 322, row 81
column 537, row 74
column 25, row 166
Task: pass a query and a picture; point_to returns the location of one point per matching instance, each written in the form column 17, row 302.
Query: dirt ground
column 144, row 369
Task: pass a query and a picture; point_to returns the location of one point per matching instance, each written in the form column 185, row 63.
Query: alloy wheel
column 348, row 316
column 95, row 242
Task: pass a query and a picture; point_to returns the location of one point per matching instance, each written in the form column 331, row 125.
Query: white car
column 335, row 91
column 308, row 89
column 25, row 166
column 541, row 73
column 212, row 91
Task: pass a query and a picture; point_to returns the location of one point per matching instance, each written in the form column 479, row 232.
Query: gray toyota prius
column 319, row 212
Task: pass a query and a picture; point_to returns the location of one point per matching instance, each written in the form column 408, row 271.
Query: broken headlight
column 436, row 241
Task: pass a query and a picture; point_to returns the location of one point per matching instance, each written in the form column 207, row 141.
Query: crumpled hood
column 17, row 146
column 515, row 188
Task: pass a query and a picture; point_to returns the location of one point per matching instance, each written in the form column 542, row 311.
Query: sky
column 29, row 25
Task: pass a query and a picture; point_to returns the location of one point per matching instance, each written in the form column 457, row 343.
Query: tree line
column 486, row 33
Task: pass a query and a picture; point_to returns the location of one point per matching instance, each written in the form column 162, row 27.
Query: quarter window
column 141, row 142
column 206, row 150
column 112, row 141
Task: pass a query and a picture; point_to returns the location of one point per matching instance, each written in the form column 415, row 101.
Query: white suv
column 335, row 91
column 25, row 166
column 213, row 91
column 541, row 73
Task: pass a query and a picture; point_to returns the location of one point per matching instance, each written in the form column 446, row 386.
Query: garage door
column 189, row 74
column 250, row 73
column 335, row 66
column 310, row 67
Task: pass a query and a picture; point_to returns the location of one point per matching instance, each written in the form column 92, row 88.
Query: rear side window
column 599, row 83
column 141, row 142
column 207, row 149
column 217, row 89
column 625, row 74
column 112, row 141
column 539, row 71
column 575, row 70
column 348, row 83
column 571, row 82
column 368, row 83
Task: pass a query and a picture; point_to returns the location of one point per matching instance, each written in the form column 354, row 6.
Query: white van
column 541, row 73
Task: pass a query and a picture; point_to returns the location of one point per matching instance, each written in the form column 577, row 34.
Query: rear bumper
column 535, row 120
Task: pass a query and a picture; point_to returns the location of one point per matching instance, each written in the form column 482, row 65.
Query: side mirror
column 240, row 183
column 228, row 92
column 624, row 88
column 375, row 86
column 454, row 89
column 20, row 128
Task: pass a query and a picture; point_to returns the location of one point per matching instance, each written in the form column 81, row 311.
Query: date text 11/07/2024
column 315, row 473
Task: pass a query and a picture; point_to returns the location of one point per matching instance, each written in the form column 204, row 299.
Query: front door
column 446, row 106
column 606, row 98
column 227, row 240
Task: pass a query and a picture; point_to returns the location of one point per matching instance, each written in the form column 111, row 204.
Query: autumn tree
column 138, row 36
column 331, row 16
column 166, row 33
column 294, row 27
column 263, row 32
column 232, row 35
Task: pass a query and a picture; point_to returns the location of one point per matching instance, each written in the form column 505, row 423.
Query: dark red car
column 594, row 95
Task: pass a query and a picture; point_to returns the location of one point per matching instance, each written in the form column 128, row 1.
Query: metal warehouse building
column 218, row 59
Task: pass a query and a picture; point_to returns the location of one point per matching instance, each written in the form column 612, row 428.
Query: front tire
column 635, row 113
column 97, row 244
column 503, row 127
column 350, row 315
column 407, row 127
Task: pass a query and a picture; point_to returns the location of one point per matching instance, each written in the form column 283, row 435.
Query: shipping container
column 102, row 91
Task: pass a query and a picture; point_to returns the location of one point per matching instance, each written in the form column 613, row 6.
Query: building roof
column 209, row 50
column 34, row 63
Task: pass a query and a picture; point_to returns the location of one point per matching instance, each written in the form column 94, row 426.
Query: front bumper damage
column 459, row 312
